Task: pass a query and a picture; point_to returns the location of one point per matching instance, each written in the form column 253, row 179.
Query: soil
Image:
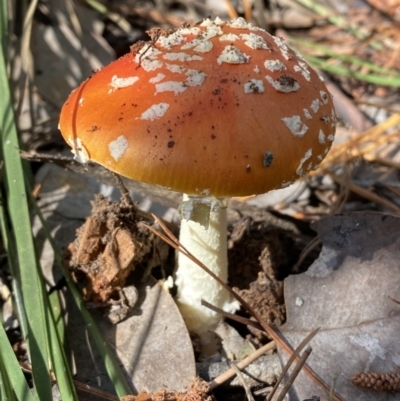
column 255, row 253
column 197, row 391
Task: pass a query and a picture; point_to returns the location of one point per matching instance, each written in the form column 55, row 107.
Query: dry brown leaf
column 345, row 292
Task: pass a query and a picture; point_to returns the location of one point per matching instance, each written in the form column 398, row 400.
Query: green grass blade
column 4, row 27
column 343, row 22
column 118, row 19
column 60, row 361
column 12, row 372
column 17, row 206
column 384, row 80
column 354, row 61
column 6, row 390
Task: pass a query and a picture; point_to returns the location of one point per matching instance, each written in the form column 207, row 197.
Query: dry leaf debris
column 109, row 246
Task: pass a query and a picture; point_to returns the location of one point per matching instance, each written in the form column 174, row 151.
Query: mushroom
column 214, row 110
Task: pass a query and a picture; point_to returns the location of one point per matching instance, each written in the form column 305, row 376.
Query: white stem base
column 210, row 247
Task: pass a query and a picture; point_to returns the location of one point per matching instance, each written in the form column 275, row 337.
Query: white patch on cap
column 203, row 192
column 331, row 137
column 283, row 85
column 256, row 69
column 80, row 101
column 240, row 23
column 81, row 155
column 310, row 166
column 190, row 30
column 207, row 22
column 211, row 31
column 181, row 57
column 150, row 65
column 199, row 45
column 321, row 137
column 117, row 83
column 295, row 125
column 303, row 69
column 173, row 39
column 171, row 86
column 333, row 118
column 282, row 47
column 219, row 21
column 228, row 37
column 324, row 97
column 325, row 118
column 254, row 41
column 195, row 78
column 274, row 65
column 175, row 68
column 147, row 58
column 232, row 55
column 299, row 56
column 155, row 111
column 315, row 105
column 254, row 86
column 159, row 77
column 307, row 155
column 307, row 114
column 118, row 147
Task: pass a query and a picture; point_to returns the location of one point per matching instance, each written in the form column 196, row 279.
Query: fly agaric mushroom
column 214, row 110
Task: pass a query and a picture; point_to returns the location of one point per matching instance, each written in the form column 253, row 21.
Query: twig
column 245, row 386
column 294, row 374
column 126, row 197
column 291, row 360
column 231, row 9
column 26, row 367
column 247, row 10
column 241, row 365
column 367, row 194
column 314, row 243
column 232, row 316
column 351, row 148
column 394, row 300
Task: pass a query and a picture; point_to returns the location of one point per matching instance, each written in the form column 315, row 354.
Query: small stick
column 394, row 300
column 366, row 194
column 295, row 373
column 126, row 197
column 232, row 316
column 292, row 358
column 241, row 365
column 230, row 9
column 245, row 386
column 314, row 243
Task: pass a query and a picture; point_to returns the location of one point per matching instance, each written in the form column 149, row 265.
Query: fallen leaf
column 345, row 292
column 152, row 343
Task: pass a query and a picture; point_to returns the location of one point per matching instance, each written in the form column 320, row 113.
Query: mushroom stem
column 206, row 239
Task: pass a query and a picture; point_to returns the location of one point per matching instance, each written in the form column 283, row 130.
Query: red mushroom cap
column 218, row 109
